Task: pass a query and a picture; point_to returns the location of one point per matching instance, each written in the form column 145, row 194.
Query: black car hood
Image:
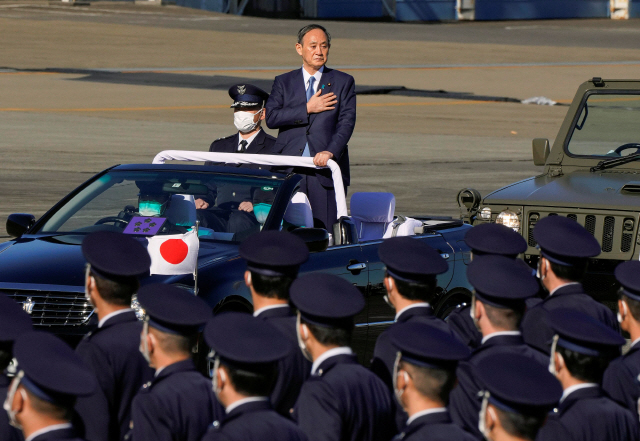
column 581, row 189
column 58, row 260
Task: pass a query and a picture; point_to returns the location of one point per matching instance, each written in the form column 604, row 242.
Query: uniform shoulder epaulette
column 226, row 137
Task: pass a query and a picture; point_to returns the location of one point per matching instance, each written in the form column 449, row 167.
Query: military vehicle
column 591, row 175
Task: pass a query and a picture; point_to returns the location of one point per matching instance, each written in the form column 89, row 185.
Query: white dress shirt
column 113, row 314
column 232, row 406
column 49, row 429
column 571, row 389
column 249, row 140
column 417, row 415
column 406, row 308
column 317, row 76
column 330, row 353
column 257, row 312
column 497, row 334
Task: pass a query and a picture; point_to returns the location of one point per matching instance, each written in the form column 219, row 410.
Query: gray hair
column 308, row 28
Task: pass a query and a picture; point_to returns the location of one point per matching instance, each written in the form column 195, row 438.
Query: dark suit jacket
column 344, row 401
column 535, row 326
column 464, row 403
column 434, row 427
column 7, row 432
column 326, row 131
column 293, row 369
column 113, row 355
column 262, row 144
column 589, row 415
column 622, row 379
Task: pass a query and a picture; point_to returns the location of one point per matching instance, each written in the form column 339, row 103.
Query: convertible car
column 43, row 267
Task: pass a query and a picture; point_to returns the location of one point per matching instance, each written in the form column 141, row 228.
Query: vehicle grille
column 51, row 308
column 614, row 232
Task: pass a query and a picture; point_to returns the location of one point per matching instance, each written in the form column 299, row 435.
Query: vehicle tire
column 450, row 301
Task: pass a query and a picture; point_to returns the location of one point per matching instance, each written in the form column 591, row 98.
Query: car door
column 380, row 314
column 348, row 262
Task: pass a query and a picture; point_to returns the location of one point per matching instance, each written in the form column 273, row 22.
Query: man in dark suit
column 314, row 109
column 273, row 260
column 178, row 404
column 112, row 351
column 501, row 287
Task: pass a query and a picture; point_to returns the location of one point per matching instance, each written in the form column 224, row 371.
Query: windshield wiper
column 610, row 163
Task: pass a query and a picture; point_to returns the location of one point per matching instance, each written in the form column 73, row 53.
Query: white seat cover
column 182, row 210
column 372, row 213
column 299, row 211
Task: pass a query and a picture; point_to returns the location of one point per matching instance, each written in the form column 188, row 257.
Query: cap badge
column 242, row 90
column 28, row 305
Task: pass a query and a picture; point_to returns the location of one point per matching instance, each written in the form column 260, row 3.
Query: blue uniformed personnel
column 423, row 376
column 244, row 354
column 484, row 240
column 273, row 260
column 13, row 323
column 341, row 400
column 178, row 404
column 50, row 377
column 410, row 281
column 582, row 347
column 115, row 262
column 501, row 287
column 622, row 378
column 565, row 247
column 516, row 398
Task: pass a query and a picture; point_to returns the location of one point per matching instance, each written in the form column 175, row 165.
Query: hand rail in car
column 245, row 158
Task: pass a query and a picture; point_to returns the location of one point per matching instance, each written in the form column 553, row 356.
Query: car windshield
column 609, row 125
column 168, row 202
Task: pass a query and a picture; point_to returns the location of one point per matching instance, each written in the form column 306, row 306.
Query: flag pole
column 195, row 271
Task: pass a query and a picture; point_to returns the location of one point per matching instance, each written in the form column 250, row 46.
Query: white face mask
column 622, row 315
column 552, row 362
column 8, row 402
column 538, row 272
column 301, row 344
column 87, row 277
column 482, row 417
column 144, row 343
column 472, row 312
column 244, row 121
column 398, row 392
column 214, row 377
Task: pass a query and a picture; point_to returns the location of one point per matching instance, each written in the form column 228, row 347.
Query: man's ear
column 247, row 278
column 480, row 311
column 299, row 49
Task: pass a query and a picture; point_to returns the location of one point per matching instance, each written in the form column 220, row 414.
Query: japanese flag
column 174, row 254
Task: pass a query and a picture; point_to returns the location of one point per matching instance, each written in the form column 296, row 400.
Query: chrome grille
column 50, row 308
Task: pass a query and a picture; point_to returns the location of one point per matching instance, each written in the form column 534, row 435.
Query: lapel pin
column 322, row 86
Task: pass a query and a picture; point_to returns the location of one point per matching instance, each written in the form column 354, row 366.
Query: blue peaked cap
column 564, row 241
column 495, row 239
column 247, row 95
column 422, row 344
column 584, row 334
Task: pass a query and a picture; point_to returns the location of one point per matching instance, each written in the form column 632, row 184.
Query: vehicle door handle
column 357, row 266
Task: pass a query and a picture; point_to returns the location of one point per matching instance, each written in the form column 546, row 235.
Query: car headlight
column 135, row 305
column 485, row 213
column 509, row 219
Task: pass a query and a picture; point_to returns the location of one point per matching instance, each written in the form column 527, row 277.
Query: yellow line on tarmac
column 143, row 109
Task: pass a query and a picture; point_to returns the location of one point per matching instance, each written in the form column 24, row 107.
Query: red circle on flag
column 174, row 251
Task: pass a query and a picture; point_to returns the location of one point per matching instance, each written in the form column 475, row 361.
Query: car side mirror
column 541, row 151
column 317, row 239
column 19, row 223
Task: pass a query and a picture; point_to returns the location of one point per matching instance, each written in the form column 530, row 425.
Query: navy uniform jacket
column 7, row 431
column 384, row 354
column 261, row 144
column 111, row 351
column 178, row 404
column 326, row 131
column 294, row 369
column 462, row 325
column 622, row 379
column 588, row 415
column 344, row 401
column 535, row 328
column 433, row 427
column 464, row 403
column 254, row 421
column 58, row 435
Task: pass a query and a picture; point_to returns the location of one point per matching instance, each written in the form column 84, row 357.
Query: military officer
column 41, row 396
column 484, row 239
column 244, row 353
column 516, row 397
column 341, row 400
column 273, row 260
column 410, row 281
column 178, row 404
column 13, row 323
column 501, row 287
column 424, row 374
column 581, row 350
column 115, row 262
column 622, row 378
column 565, row 247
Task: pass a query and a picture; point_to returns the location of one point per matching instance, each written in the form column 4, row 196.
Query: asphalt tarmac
column 87, row 87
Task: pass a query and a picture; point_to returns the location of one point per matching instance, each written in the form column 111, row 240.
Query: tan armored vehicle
column 591, row 174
